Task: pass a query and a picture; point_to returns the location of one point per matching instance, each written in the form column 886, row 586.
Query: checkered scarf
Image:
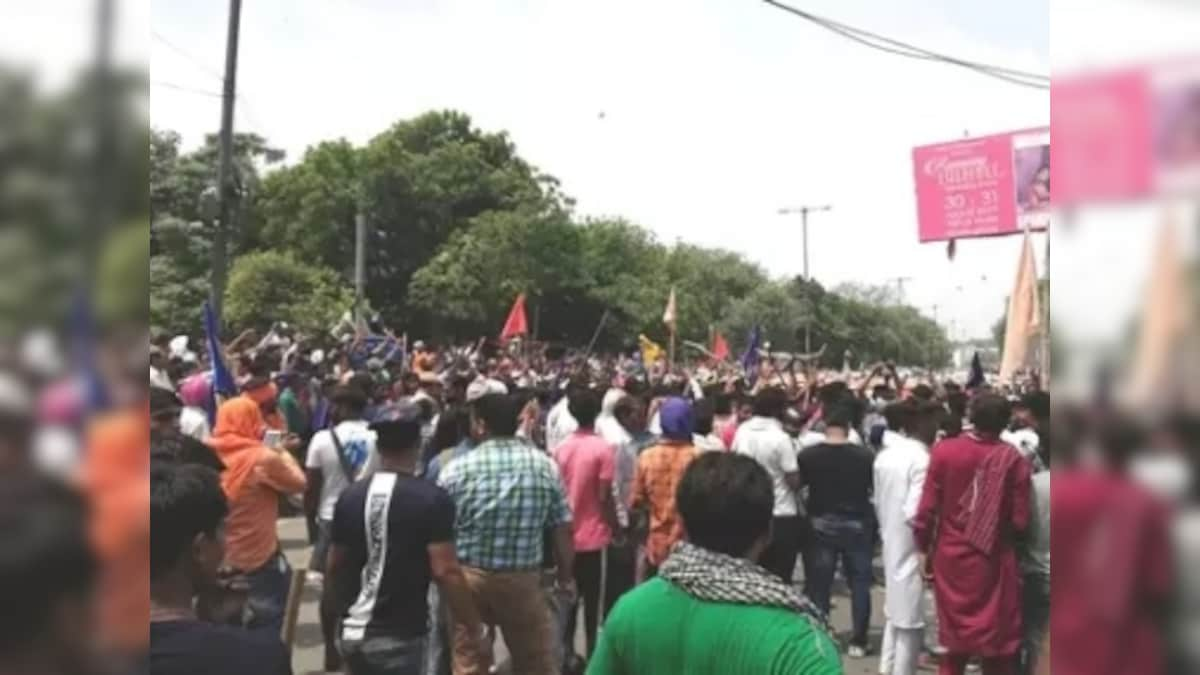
column 716, row 577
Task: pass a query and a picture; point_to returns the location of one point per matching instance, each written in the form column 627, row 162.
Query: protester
column 48, row 577
column 254, row 478
column 187, row 514
column 585, row 461
column 559, row 423
column 659, row 470
column 974, row 503
column 336, row 459
column 606, row 424
column 1110, row 618
column 508, row 495
column 196, row 394
column 392, row 534
column 1030, row 414
column 265, row 393
column 622, row 561
column 838, row 475
column 1035, row 567
column 899, row 471
column 762, row 438
column 712, row 610
column 703, row 437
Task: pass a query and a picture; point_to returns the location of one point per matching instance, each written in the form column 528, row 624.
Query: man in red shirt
column 586, row 462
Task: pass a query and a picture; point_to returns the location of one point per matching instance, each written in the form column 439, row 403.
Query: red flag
column 515, row 324
column 720, row 348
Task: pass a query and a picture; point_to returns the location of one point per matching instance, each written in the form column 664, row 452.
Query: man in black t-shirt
column 187, row 512
column 392, row 535
column 840, row 480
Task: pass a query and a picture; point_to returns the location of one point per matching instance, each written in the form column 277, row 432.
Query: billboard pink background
column 965, row 188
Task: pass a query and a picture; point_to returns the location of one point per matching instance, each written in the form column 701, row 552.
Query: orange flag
column 515, row 324
column 720, row 348
column 1024, row 314
column 1160, row 364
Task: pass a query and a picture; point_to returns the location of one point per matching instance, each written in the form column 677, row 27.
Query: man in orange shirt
column 254, row 478
column 659, row 470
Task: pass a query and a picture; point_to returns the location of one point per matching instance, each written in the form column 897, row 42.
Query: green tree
column 180, row 230
column 269, row 286
column 418, row 183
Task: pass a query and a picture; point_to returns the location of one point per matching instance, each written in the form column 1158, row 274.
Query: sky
column 698, row 119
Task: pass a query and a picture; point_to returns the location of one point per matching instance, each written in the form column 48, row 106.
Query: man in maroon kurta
column 974, row 504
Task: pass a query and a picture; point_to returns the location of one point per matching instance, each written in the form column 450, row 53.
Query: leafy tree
column 269, row 286
column 418, row 183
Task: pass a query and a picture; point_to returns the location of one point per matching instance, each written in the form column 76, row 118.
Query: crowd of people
column 456, row 495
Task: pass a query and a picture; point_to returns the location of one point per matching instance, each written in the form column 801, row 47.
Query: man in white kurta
column 899, row 478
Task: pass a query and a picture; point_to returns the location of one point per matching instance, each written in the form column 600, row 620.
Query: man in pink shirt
column 586, row 461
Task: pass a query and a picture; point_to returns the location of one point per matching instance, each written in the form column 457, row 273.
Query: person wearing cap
column 659, row 470
column 337, row 458
column 509, row 495
column 392, row 535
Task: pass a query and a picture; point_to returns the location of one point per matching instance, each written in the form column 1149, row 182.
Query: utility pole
column 226, row 185
column 804, row 211
column 900, row 281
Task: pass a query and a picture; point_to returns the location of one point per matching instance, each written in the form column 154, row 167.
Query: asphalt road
column 307, row 655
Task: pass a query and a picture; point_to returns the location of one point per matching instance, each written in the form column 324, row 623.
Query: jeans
column 267, row 596
column 437, row 654
column 849, row 540
column 781, row 553
column 1035, row 610
column 622, row 564
column 384, row 655
column 588, row 570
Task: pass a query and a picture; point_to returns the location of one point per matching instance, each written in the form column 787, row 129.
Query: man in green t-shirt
column 711, row 610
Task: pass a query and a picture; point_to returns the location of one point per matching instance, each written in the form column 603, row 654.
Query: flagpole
column 671, row 353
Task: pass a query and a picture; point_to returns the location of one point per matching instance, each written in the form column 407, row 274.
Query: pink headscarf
column 196, row 390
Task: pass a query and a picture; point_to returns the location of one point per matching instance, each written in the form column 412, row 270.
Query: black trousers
column 622, row 570
column 781, row 553
column 588, row 570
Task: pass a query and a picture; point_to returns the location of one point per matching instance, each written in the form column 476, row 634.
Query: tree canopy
column 459, row 224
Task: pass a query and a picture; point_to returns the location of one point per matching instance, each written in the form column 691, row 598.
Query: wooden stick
column 291, row 610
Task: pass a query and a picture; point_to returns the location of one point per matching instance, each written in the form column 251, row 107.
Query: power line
column 187, row 55
column 189, row 90
column 899, row 48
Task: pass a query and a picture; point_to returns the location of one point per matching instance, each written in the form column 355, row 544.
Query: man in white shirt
column 763, row 438
column 606, row 424
column 559, row 424
column 899, row 472
column 1027, row 418
column 337, row 458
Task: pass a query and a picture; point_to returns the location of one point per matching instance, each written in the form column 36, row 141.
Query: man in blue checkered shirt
column 508, row 496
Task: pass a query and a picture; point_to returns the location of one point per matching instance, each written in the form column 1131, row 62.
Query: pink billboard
column 983, row 187
column 1127, row 134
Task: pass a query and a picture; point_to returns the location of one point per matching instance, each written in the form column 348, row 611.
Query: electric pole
column 226, row 185
column 804, row 211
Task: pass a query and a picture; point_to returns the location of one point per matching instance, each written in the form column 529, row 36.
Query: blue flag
column 222, row 380
column 750, row 356
column 83, row 353
column 977, row 378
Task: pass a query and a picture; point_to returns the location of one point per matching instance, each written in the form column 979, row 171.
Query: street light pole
column 804, row 211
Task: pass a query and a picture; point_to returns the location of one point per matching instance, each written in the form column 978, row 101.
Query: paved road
column 308, row 653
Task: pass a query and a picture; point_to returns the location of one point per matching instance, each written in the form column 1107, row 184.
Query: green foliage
column 458, row 225
column 272, row 286
column 870, row 330
column 418, row 183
